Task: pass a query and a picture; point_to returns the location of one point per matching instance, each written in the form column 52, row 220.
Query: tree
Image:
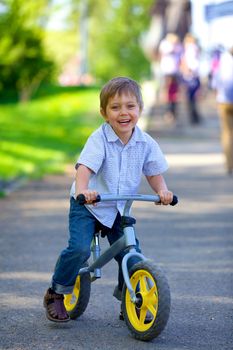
column 116, row 28
column 23, row 61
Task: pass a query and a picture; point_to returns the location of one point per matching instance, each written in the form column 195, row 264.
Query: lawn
column 45, row 134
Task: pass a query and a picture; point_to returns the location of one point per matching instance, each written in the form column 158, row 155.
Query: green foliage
column 45, row 134
column 61, row 45
column 116, row 28
column 23, row 61
column 117, row 49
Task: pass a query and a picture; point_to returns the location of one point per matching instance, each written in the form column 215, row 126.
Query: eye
column 114, row 107
column 131, row 106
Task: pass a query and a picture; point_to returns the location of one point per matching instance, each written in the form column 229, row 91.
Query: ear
column 102, row 112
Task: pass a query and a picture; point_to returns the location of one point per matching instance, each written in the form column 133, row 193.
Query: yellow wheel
column 77, row 302
column 149, row 315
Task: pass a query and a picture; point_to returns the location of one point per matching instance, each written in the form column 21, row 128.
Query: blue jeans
column 82, row 226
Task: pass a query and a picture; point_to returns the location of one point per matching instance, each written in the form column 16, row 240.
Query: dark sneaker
column 54, row 305
column 121, row 317
column 117, row 293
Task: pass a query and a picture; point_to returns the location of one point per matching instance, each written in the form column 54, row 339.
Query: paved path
column 193, row 242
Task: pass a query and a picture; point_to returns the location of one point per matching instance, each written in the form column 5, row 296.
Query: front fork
column 125, row 271
column 130, row 242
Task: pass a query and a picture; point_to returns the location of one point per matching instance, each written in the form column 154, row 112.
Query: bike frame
column 127, row 241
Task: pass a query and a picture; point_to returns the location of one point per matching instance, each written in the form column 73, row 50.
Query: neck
column 125, row 139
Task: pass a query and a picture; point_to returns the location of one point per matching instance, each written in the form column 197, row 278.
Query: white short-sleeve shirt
column 118, row 168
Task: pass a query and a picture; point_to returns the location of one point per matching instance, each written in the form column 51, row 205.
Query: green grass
column 45, row 134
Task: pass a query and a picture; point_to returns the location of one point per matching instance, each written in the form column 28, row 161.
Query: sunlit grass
column 43, row 135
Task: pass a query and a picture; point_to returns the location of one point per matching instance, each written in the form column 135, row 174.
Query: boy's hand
column 90, row 196
column 166, row 197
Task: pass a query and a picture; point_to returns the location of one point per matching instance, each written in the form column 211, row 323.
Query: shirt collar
column 137, row 136
column 110, row 133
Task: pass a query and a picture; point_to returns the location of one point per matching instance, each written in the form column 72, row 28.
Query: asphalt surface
column 192, row 242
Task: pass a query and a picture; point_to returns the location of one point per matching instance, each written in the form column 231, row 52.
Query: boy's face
column 122, row 113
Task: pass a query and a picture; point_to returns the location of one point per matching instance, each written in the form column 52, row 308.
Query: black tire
column 76, row 303
column 148, row 317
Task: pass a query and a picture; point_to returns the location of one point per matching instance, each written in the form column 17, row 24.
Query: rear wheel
column 76, row 302
column 146, row 318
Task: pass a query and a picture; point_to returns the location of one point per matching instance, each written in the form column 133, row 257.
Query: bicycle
column 145, row 296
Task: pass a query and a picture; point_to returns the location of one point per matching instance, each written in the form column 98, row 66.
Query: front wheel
column 77, row 302
column 146, row 318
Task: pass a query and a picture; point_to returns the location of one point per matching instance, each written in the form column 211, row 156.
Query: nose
column 123, row 111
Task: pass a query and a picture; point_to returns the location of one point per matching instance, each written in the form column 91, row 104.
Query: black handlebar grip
column 98, row 199
column 174, row 200
column 82, row 200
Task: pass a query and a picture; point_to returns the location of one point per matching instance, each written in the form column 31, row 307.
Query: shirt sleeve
column 155, row 162
column 93, row 153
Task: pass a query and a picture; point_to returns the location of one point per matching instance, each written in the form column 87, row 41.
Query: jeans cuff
column 60, row 289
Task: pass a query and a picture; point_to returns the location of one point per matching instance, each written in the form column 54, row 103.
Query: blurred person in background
column 170, row 50
column 214, row 65
column 190, row 74
column 224, row 89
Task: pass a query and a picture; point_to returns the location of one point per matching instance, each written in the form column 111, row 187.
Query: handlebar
column 137, row 197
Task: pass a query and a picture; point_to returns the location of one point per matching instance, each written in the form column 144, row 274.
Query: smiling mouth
column 124, row 122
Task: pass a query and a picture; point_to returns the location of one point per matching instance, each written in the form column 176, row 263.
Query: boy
column 112, row 161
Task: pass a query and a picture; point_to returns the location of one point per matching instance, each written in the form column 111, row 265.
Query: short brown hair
column 117, row 86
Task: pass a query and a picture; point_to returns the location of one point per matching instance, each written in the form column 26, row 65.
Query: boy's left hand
column 166, row 197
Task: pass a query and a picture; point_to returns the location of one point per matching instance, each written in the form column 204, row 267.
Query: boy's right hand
column 90, row 195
